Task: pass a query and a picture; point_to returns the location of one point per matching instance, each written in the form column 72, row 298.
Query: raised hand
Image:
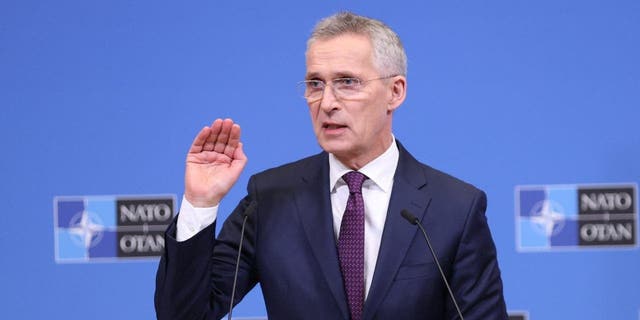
column 214, row 163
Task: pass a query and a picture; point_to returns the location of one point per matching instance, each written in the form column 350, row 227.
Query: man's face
column 358, row 129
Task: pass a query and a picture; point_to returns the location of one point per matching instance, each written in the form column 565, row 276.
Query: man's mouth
column 332, row 126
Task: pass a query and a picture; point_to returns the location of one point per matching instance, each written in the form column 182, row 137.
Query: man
column 326, row 239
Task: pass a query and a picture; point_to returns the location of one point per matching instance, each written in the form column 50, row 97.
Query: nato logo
column 553, row 217
column 108, row 228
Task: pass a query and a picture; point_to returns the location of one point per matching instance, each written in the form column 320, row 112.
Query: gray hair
column 388, row 53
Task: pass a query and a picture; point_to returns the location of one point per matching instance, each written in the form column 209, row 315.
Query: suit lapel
column 314, row 209
column 408, row 193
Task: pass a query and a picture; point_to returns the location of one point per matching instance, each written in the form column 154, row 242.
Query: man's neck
column 357, row 161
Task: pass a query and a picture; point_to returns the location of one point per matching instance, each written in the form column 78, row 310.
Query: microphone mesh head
column 407, row 215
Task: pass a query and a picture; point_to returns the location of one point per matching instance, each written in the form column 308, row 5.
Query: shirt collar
column 380, row 170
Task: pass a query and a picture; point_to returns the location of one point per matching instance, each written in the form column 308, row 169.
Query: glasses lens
column 310, row 90
column 347, row 87
column 301, row 89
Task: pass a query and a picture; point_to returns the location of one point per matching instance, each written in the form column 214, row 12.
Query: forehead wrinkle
column 336, row 66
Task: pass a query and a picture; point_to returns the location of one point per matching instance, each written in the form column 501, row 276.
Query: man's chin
column 333, row 146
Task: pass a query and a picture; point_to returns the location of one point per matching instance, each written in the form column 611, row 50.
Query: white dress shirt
column 376, row 192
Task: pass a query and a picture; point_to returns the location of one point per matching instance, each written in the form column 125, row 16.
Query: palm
column 214, row 163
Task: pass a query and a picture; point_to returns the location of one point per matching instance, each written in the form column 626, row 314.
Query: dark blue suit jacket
column 290, row 249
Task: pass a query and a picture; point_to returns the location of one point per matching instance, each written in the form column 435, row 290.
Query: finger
column 216, row 126
column 234, row 140
column 223, row 137
column 199, row 140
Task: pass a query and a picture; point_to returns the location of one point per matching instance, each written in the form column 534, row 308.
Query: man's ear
column 398, row 92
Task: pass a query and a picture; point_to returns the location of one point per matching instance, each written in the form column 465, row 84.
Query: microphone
column 247, row 212
column 414, row 221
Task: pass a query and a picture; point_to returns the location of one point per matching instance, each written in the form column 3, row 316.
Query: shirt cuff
column 192, row 220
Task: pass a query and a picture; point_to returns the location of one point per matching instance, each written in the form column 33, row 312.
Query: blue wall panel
column 102, row 98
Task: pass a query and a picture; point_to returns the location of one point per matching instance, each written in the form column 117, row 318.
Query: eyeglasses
column 343, row 88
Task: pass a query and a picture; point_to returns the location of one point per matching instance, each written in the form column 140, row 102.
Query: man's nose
column 328, row 101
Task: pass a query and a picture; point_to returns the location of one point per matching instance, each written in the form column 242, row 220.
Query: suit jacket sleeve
column 195, row 277
column 475, row 277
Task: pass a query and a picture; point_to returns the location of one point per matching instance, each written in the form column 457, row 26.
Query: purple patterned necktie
column 351, row 244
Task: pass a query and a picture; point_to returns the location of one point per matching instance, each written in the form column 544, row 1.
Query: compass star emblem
column 86, row 229
column 548, row 216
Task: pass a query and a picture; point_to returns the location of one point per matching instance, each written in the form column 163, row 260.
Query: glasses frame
column 338, row 94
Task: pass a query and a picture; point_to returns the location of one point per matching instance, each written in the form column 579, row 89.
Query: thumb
column 239, row 158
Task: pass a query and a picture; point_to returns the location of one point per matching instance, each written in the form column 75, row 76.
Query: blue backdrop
column 104, row 97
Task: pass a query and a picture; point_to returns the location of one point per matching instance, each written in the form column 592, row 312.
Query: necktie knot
column 354, row 180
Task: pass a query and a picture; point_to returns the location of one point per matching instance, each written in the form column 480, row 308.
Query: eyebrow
column 337, row 75
column 311, row 76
